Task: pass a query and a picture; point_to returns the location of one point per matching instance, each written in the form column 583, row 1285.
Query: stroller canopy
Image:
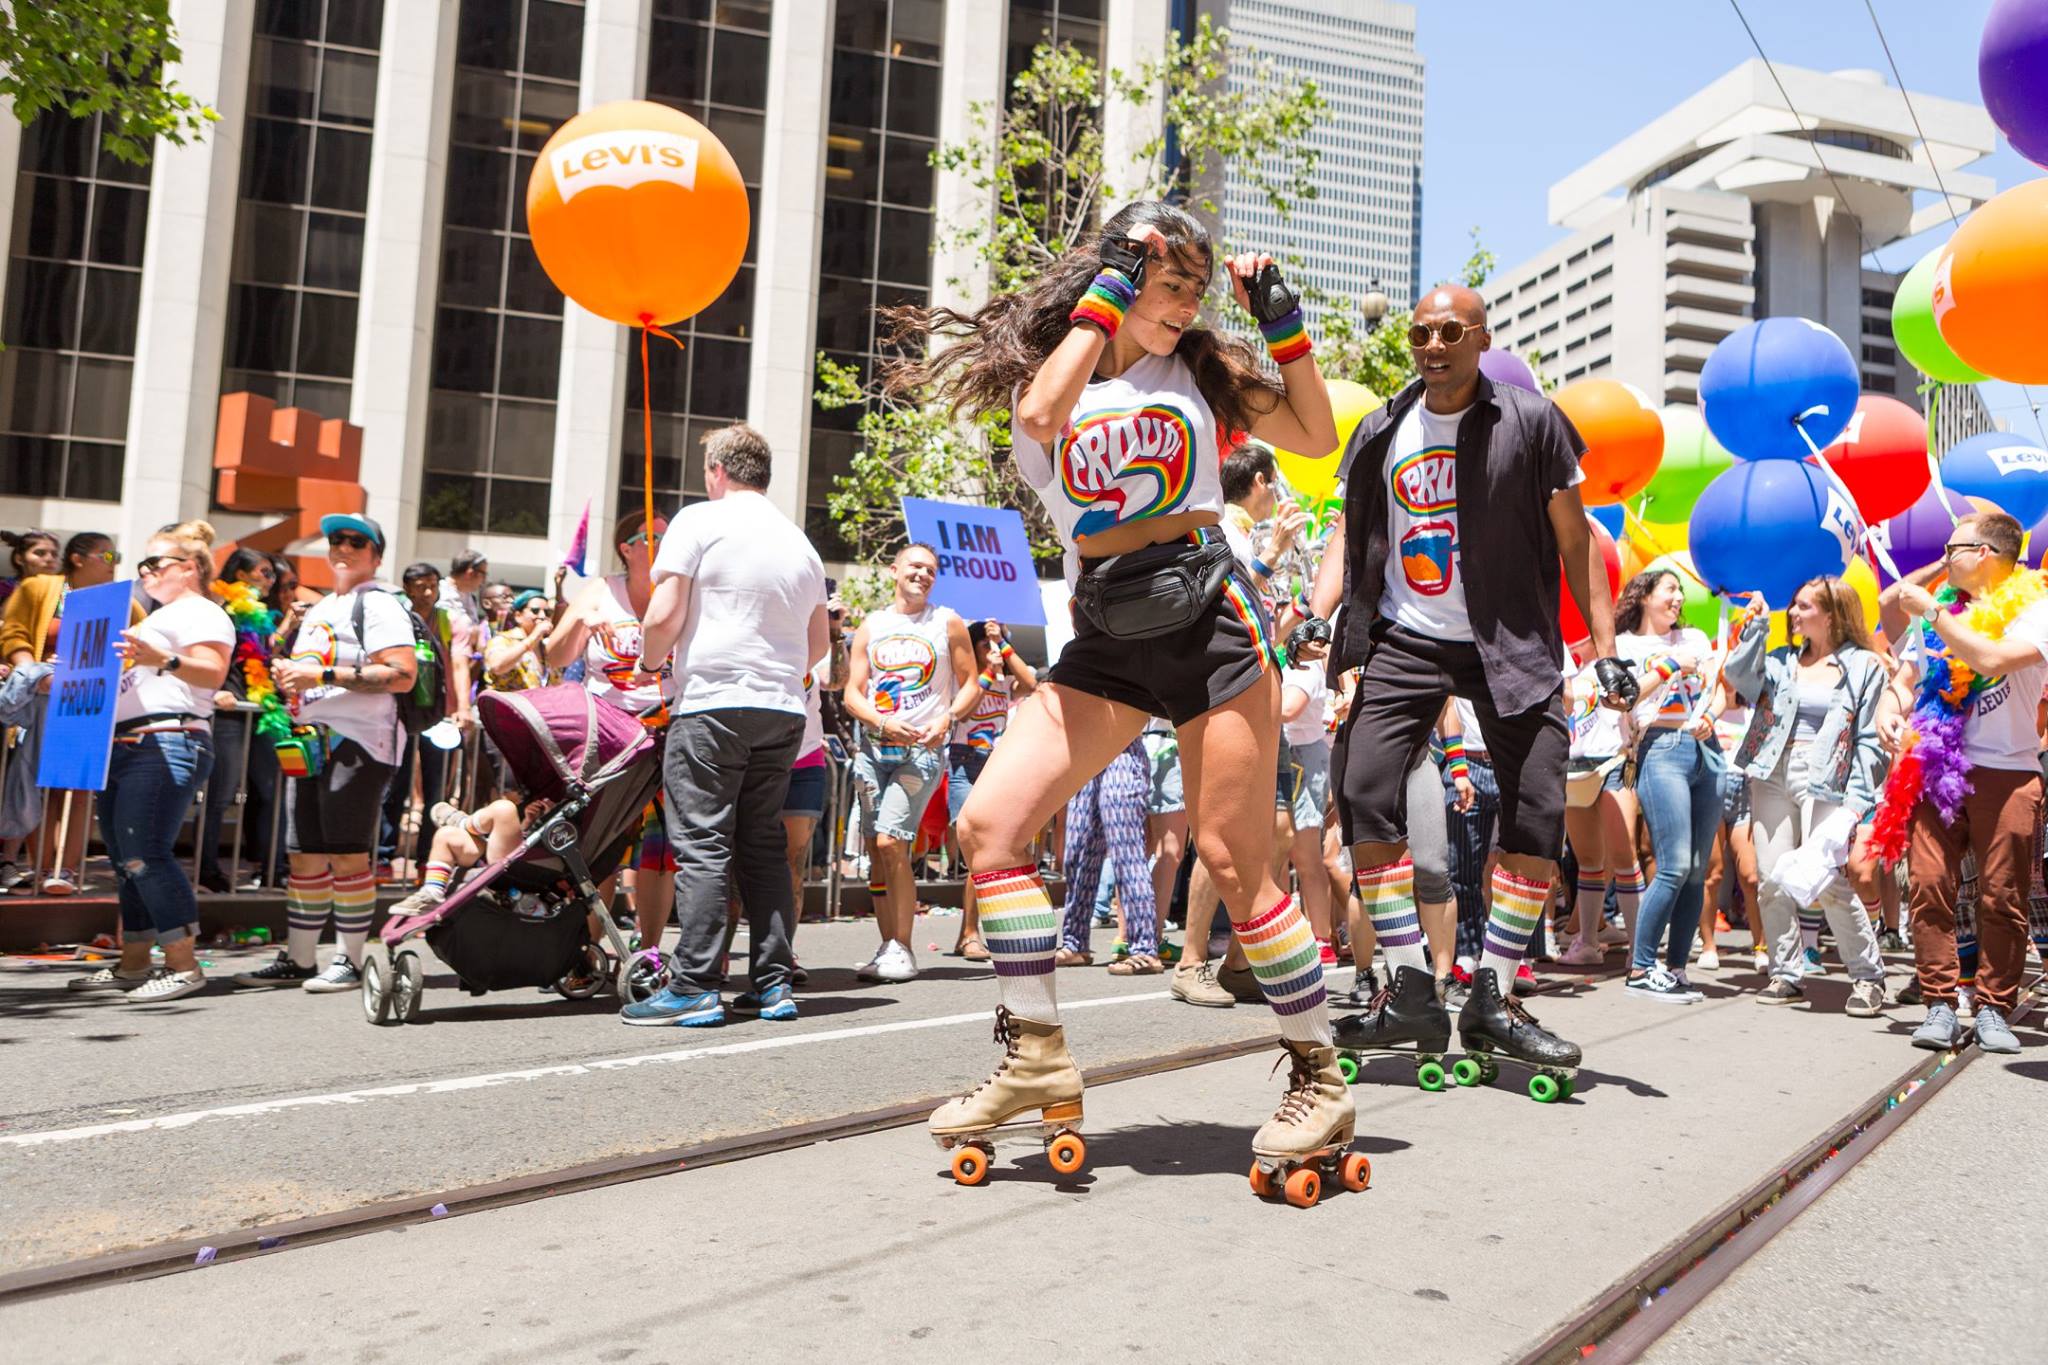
column 551, row 736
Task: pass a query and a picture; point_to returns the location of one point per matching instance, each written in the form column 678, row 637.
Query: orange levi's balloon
column 1624, row 438
column 1991, row 287
column 637, row 213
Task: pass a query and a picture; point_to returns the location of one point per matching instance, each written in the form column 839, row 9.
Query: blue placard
column 985, row 570
column 78, row 727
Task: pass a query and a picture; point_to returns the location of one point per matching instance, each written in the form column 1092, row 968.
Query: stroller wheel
column 642, row 975
column 377, row 985
column 589, row 977
column 409, row 980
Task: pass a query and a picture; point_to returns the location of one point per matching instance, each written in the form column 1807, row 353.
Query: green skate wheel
column 1430, row 1076
column 1543, row 1089
column 1347, row 1067
column 1465, row 1071
column 1566, row 1087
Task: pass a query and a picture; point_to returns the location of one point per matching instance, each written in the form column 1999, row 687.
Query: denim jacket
column 1846, row 762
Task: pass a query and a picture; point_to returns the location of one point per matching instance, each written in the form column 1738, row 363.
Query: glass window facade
column 74, row 288
column 298, row 262
column 1051, row 21
column 708, row 58
column 875, row 251
column 498, row 323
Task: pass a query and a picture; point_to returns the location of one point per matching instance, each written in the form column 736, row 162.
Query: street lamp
column 1374, row 305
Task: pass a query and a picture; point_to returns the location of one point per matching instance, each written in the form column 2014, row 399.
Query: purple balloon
column 2011, row 60
column 1505, row 367
column 1919, row 533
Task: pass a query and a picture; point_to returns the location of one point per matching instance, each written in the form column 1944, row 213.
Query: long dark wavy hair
column 1628, row 608
column 984, row 358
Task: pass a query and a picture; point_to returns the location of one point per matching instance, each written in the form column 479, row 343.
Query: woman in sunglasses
column 353, row 652
column 602, row 627
column 1120, row 403
column 163, row 752
column 29, row 627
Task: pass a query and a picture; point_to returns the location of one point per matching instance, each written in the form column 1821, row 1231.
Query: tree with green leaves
column 86, row 57
column 1042, row 160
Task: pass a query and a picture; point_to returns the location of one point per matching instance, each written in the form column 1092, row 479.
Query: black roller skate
column 1403, row 1017
column 1492, row 1026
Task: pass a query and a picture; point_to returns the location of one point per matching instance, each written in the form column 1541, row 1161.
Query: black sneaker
column 282, row 971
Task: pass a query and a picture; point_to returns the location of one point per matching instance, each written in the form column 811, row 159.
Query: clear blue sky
column 1520, row 94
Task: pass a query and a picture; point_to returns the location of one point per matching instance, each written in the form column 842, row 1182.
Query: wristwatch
column 171, row 665
column 327, row 677
column 1932, row 614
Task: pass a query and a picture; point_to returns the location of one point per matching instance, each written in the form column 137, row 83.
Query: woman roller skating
column 1118, row 398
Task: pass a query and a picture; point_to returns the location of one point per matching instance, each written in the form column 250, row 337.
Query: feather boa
column 254, row 625
column 1930, row 765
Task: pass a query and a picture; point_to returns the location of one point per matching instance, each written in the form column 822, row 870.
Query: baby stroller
column 521, row 921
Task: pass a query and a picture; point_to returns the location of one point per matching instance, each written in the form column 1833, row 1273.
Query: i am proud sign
column 985, row 570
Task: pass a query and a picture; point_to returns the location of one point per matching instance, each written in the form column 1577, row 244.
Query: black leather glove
column 1126, row 254
column 1314, row 631
column 1616, row 681
column 1272, row 298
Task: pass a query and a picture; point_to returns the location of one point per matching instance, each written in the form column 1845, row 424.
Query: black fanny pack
column 1157, row 590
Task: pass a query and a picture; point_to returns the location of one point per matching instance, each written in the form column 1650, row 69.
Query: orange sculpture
column 289, row 461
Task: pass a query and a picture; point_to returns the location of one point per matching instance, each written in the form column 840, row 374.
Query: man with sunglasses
column 1463, row 514
column 352, row 654
column 2000, row 817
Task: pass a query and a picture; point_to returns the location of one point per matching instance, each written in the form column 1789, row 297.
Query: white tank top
column 612, row 652
column 1140, row 445
column 910, row 668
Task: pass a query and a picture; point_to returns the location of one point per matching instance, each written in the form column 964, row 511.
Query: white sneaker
column 866, row 971
column 1710, row 961
column 895, row 963
column 1583, row 954
column 168, row 986
column 341, row 975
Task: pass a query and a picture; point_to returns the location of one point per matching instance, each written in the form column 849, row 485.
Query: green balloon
column 1702, row 609
column 1914, row 329
column 1692, row 457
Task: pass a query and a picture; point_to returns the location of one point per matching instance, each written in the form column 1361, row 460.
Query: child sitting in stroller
column 462, row 840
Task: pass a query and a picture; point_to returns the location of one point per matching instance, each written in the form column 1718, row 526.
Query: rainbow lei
column 1930, row 765
column 254, row 625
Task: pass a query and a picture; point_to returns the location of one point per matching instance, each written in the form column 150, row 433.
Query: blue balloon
column 2000, row 468
column 1612, row 517
column 1770, row 525
column 1762, row 380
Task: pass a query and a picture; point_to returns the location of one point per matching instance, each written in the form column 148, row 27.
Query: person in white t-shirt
column 352, row 655
column 163, row 750
column 739, row 600
column 1999, row 818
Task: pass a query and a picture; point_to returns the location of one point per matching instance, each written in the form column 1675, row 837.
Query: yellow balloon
column 1647, row 541
column 1317, row 479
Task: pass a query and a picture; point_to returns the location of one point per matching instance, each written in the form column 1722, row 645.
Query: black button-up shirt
column 1516, row 449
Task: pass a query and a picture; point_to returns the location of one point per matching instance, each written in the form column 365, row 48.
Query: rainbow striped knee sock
column 1388, row 895
column 1510, row 922
column 1289, row 967
column 1022, row 931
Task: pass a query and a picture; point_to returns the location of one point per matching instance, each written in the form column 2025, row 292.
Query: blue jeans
column 1678, row 782
column 150, row 788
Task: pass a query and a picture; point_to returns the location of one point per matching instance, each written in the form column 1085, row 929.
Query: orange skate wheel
column 1304, row 1187
column 1066, row 1153
column 970, row 1165
column 1262, row 1182
column 1355, row 1172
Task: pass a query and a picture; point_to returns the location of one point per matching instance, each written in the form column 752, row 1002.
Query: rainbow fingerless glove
column 1455, row 762
column 999, row 658
column 1106, row 301
column 1286, row 338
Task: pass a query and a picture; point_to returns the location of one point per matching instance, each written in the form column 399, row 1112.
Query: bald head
column 1448, row 334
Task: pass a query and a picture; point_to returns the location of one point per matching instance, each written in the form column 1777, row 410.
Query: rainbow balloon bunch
column 254, row 625
column 1931, row 765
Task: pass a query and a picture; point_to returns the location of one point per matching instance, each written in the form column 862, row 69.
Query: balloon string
column 647, row 416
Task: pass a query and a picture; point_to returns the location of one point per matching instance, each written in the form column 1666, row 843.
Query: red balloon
column 1568, row 617
column 1882, row 456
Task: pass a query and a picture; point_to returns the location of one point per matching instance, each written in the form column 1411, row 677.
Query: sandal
column 1073, row 957
column 1137, row 964
column 974, row 950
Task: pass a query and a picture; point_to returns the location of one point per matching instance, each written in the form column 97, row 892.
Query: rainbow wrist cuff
column 1666, row 668
column 1106, row 301
column 1455, row 762
column 1286, row 338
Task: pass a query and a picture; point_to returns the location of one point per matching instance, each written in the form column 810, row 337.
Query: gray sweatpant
column 1780, row 823
column 725, row 774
